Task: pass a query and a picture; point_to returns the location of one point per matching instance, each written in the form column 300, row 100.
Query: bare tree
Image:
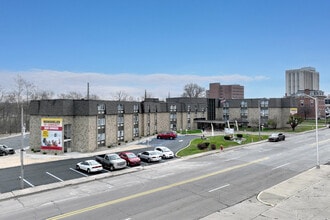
column 193, row 90
column 120, row 96
column 71, row 95
column 43, row 94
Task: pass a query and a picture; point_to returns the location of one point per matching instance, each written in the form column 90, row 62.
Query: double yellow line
column 101, row 205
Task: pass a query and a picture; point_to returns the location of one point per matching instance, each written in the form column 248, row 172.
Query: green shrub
column 201, row 146
column 227, row 137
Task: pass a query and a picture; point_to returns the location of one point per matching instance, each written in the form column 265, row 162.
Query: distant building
column 217, row 91
column 298, row 80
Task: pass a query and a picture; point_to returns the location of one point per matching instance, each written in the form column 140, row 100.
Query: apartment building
column 301, row 79
column 85, row 125
column 218, row 91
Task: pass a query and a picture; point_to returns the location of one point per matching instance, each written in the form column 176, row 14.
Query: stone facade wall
column 111, row 130
column 84, row 134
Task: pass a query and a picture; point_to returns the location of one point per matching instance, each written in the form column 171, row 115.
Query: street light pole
column 316, row 130
column 22, row 150
column 259, row 103
column 317, row 133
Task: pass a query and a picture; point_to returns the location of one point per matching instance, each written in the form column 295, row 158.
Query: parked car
column 150, row 156
column 164, row 152
column 167, row 135
column 90, row 166
column 111, row 161
column 131, row 158
column 276, row 137
column 5, row 150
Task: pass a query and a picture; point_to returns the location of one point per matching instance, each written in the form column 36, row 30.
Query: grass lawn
column 218, row 141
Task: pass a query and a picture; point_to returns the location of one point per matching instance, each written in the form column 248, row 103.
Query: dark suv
column 4, row 150
column 276, row 137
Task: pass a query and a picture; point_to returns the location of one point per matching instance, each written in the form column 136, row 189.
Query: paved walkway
column 304, row 197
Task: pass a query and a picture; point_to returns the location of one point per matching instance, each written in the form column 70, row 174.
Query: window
column 264, row 103
column 101, row 108
column 136, row 132
column 244, row 104
column 173, row 108
column 120, row 120
column 135, row 119
column 120, row 109
column 100, row 121
column 136, row 108
column 120, row 135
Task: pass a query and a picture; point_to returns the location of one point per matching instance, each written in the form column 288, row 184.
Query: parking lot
column 62, row 170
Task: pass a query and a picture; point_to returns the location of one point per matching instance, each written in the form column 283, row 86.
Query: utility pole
column 22, row 149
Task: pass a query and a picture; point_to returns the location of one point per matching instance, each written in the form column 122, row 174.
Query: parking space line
column 55, row 177
column 78, row 172
column 212, row 190
column 27, row 182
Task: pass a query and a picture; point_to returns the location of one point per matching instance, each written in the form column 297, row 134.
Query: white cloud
column 160, row 85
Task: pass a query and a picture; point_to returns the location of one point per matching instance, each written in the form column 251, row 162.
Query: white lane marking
column 180, row 140
column 30, row 184
column 52, row 175
column 219, row 187
column 280, row 166
column 78, row 172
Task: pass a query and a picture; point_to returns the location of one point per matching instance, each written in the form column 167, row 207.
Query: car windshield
column 274, row 135
column 153, row 153
column 114, row 157
column 92, row 162
column 131, row 155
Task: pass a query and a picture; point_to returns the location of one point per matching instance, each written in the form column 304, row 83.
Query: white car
column 150, row 156
column 90, row 166
column 164, row 152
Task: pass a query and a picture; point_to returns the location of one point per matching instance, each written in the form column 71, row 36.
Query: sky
column 159, row 46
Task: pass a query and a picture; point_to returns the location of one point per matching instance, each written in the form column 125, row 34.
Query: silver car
column 150, row 156
column 4, row 150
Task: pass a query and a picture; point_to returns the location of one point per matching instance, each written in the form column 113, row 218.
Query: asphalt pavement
column 305, row 196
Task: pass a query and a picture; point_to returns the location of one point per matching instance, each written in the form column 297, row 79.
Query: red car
column 167, row 135
column 131, row 158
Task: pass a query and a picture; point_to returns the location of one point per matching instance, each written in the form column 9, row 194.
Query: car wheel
column 88, row 170
column 149, row 160
column 77, row 167
column 127, row 163
column 112, row 168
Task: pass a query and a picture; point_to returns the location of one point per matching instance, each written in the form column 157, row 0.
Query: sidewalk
column 305, row 196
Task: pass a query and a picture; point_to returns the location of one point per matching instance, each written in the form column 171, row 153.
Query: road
column 178, row 189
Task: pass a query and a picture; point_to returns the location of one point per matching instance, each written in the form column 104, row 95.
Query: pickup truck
column 111, row 161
